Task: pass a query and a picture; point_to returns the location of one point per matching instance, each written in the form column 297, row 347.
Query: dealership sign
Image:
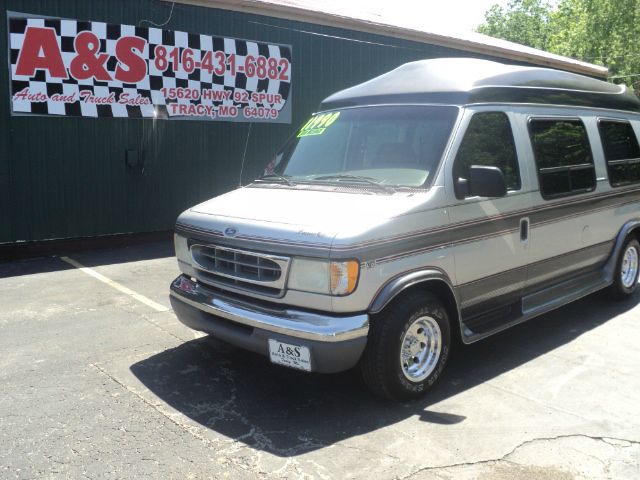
column 96, row 69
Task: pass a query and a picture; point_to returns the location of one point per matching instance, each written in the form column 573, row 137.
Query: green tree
column 604, row 32
column 526, row 22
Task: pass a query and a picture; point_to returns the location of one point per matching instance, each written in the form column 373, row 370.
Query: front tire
column 625, row 281
column 408, row 347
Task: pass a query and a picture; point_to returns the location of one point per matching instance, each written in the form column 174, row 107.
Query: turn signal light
column 344, row 277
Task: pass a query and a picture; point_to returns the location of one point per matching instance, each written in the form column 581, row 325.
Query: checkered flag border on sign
column 239, row 86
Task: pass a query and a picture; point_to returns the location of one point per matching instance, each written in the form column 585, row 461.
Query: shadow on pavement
column 107, row 256
column 287, row 413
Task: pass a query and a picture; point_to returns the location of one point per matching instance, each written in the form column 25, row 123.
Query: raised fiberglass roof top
column 460, row 81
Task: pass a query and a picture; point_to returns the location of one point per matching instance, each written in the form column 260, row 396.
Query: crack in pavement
column 159, row 327
column 537, row 401
column 504, row 457
column 221, row 446
column 188, row 428
column 366, row 450
column 228, row 448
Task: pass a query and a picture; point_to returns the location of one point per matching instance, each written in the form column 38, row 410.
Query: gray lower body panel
column 552, row 283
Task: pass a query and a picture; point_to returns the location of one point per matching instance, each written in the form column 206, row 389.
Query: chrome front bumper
column 336, row 342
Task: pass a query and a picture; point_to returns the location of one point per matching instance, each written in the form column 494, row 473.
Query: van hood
column 276, row 215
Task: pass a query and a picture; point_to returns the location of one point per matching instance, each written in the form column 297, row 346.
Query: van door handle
column 524, row 230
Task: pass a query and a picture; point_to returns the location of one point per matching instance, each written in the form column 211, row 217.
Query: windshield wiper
column 356, row 179
column 282, row 178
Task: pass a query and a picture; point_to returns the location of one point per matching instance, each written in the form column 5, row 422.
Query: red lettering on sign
column 127, row 99
column 191, row 110
column 40, row 51
column 261, row 97
column 127, row 56
column 25, row 94
column 88, row 97
column 216, row 95
column 228, row 111
column 56, row 97
column 87, row 64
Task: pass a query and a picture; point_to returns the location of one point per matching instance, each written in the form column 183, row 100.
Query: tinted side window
column 621, row 152
column 488, row 141
column 563, row 157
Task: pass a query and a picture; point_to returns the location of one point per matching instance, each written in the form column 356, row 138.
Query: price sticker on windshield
column 318, row 124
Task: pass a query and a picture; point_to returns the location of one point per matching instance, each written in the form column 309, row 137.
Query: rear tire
column 625, row 280
column 408, row 347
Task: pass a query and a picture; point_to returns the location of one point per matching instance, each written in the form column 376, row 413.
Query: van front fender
column 404, row 281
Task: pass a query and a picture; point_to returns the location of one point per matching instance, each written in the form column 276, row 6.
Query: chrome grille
column 223, row 266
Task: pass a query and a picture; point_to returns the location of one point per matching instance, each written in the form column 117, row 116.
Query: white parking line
column 121, row 288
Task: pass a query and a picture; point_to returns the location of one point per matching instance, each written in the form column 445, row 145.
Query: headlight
column 182, row 249
column 309, row 276
column 318, row 276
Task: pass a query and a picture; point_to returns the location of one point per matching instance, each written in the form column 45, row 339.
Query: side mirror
column 462, row 188
column 486, row 181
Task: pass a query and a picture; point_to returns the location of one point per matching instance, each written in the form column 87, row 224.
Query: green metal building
column 65, row 176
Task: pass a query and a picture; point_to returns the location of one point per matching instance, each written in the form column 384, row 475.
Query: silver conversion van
column 446, row 199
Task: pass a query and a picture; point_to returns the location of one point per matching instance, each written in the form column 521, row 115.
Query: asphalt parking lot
column 99, row 380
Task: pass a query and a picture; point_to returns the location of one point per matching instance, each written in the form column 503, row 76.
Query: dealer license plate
column 295, row 356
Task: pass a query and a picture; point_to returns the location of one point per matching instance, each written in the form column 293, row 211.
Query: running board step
column 562, row 293
column 535, row 304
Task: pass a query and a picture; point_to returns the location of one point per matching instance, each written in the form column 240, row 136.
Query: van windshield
column 389, row 146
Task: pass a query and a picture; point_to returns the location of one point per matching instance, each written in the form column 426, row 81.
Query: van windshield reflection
column 374, row 147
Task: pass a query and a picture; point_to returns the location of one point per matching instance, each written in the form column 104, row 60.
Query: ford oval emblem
column 230, row 232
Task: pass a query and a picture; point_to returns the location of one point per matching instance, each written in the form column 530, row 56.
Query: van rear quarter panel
column 575, row 232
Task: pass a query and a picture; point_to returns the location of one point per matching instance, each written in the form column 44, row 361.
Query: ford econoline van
column 447, row 199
